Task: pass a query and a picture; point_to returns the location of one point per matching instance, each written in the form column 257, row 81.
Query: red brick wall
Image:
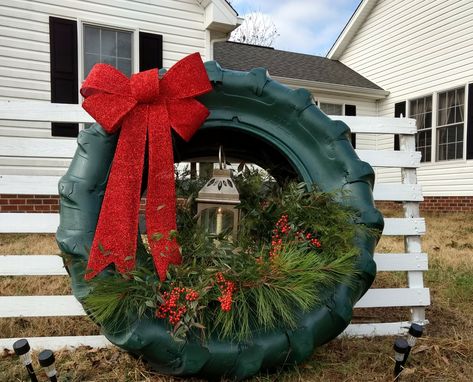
column 447, row 203
column 50, row 203
column 437, row 204
column 29, row 203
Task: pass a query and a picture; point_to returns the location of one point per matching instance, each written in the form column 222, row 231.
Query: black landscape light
column 400, row 349
column 22, row 349
column 415, row 331
column 46, row 360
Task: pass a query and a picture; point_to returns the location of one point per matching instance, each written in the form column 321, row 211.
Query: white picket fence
column 412, row 226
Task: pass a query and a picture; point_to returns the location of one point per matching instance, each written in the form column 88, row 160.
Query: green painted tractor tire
column 261, row 121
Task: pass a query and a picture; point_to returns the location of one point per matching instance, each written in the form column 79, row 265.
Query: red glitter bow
column 144, row 106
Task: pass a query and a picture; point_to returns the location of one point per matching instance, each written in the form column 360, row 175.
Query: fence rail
column 414, row 262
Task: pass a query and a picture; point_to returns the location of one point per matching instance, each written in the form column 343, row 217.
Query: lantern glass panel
column 217, row 220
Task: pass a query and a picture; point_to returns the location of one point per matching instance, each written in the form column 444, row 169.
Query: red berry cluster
column 282, row 228
column 310, row 237
column 226, row 288
column 173, row 308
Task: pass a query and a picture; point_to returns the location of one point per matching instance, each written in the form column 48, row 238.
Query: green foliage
column 267, row 285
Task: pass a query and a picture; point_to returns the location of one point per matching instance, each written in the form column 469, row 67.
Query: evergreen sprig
column 269, row 288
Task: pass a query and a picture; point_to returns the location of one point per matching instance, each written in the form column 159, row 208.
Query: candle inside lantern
column 219, row 224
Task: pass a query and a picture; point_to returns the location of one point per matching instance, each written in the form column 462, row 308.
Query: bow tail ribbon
column 117, row 228
column 161, row 195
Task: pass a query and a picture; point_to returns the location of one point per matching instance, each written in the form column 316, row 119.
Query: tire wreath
column 286, row 128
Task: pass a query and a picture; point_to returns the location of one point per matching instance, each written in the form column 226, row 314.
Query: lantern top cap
column 219, row 189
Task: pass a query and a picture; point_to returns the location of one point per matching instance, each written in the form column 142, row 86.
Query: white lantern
column 217, row 202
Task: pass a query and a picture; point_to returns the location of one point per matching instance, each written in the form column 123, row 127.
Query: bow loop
column 108, row 109
column 186, row 116
column 187, row 78
column 104, row 78
column 145, row 86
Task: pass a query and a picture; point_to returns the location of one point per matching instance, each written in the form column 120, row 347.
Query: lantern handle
column 221, row 155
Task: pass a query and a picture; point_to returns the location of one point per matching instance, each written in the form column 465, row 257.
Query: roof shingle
column 238, row 56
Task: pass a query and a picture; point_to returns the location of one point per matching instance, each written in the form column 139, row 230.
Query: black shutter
column 469, row 124
column 64, row 74
column 151, row 51
column 350, row 110
column 399, row 109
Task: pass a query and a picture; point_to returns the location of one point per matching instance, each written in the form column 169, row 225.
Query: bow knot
column 145, row 86
column 146, row 108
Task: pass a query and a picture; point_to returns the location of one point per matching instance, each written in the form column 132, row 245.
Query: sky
column 304, row 26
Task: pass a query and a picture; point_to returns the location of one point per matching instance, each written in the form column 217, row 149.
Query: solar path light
column 400, row 349
column 22, row 349
column 46, row 360
column 415, row 331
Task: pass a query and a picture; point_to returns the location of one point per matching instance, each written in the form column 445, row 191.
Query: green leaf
column 157, row 236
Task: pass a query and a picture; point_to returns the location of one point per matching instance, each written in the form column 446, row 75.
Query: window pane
column 428, row 137
column 428, row 103
column 442, row 136
column 442, row 101
column 124, row 44
column 124, row 66
column 428, row 120
column 421, row 142
column 420, row 122
column 450, row 125
column 460, row 150
column 460, row 133
column 421, row 110
column 442, row 117
column 111, row 60
column 451, row 134
column 331, row 108
column 451, row 98
column 109, row 46
column 451, row 115
column 460, row 96
column 413, row 108
column 91, row 40
column 89, row 61
column 451, row 151
column 459, row 114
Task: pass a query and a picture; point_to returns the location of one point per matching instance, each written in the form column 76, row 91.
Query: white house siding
column 412, row 49
column 25, row 61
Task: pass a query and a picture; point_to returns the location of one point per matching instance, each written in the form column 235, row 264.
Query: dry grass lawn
column 445, row 353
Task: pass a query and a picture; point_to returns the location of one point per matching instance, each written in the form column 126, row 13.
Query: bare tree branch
column 257, row 29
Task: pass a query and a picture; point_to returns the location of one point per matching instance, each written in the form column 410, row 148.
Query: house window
column 110, row 46
column 450, row 124
column 331, row 108
column 421, row 110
